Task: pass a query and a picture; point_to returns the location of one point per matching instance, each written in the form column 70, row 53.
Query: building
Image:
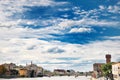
column 47, row 73
column 40, row 72
column 23, row 72
column 10, row 69
column 60, row 72
column 108, row 58
column 70, row 72
column 116, row 71
column 31, row 70
column 97, row 70
column 9, row 66
column 34, row 70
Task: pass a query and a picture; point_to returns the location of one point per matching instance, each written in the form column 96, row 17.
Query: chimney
column 108, row 58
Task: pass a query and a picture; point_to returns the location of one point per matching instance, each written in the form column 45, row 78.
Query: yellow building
column 116, row 71
column 23, row 72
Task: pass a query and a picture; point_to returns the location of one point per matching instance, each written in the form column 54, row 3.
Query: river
column 53, row 78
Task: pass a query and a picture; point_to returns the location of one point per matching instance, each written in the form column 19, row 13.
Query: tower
column 31, row 63
column 108, row 58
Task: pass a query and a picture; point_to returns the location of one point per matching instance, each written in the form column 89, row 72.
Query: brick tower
column 108, row 58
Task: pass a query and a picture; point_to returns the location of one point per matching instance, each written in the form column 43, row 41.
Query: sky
column 59, row 34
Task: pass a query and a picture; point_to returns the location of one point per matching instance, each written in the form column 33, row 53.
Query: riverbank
column 102, row 78
column 53, row 78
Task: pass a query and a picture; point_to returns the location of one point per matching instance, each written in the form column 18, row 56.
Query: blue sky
column 65, row 34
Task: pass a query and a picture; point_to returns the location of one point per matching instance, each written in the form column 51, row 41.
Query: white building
column 39, row 71
column 34, row 70
column 116, row 71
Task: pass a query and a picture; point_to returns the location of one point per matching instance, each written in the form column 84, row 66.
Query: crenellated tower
column 108, row 58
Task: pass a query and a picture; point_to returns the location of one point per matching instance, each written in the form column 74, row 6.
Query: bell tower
column 108, row 58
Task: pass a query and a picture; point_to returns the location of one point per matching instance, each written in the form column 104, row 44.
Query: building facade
column 9, row 66
column 34, row 70
column 108, row 58
column 97, row 70
column 23, row 72
column 60, row 72
column 10, row 69
column 31, row 70
column 116, row 71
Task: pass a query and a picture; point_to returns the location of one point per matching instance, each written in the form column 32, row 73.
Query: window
column 118, row 67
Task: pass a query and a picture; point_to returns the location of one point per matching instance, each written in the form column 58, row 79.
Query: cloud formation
column 38, row 40
column 41, row 52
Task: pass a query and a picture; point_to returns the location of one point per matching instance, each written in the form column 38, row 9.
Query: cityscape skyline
column 66, row 34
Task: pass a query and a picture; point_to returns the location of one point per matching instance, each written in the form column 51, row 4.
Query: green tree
column 2, row 70
column 107, row 71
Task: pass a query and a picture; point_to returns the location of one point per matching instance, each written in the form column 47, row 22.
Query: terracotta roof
column 115, row 63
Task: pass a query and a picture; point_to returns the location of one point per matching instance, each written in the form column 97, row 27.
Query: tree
column 2, row 70
column 107, row 71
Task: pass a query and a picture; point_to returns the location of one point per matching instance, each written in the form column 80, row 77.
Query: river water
column 53, row 78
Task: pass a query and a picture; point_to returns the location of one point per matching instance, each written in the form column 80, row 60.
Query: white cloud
column 85, row 22
column 57, row 25
column 102, row 7
column 63, row 9
column 13, row 44
column 113, row 38
column 111, row 8
column 66, row 15
column 118, row 3
column 39, row 52
column 10, row 7
column 13, row 29
column 19, row 32
column 103, row 23
column 114, row 9
column 76, row 30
